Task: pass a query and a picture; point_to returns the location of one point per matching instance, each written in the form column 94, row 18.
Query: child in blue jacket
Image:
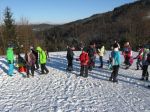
column 115, row 63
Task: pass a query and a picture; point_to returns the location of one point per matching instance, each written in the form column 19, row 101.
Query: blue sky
column 58, row 11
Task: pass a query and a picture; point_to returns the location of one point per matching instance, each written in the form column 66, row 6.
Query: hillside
column 128, row 22
column 41, row 27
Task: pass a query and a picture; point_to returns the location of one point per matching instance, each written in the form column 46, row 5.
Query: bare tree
column 24, row 34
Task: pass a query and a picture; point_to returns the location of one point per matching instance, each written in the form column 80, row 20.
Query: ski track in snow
column 61, row 91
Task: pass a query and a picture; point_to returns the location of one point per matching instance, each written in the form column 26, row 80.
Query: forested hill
column 128, row 22
column 41, row 27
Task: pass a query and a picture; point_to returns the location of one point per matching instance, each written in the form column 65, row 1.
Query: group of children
column 26, row 64
column 143, row 58
column 87, row 60
column 88, row 55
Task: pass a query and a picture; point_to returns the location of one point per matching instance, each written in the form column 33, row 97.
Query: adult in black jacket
column 91, row 53
column 70, row 55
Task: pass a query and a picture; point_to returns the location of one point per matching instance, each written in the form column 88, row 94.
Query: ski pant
column 94, row 59
column 70, row 64
column 145, row 73
column 11, row 69
column 114, row 73
column 43, row 68
column 37, row 64
column 101, row 61
column 127, row 61
column 138, row 64
column 32, row 68
column 91, row 63
column 84, row 70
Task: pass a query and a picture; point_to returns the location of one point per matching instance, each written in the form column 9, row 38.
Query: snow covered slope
column 61, row 91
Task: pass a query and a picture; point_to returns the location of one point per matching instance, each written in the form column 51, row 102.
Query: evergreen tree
column 9, row 32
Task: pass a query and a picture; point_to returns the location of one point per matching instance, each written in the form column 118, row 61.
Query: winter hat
column 115, row 45
column 10, row 45
column 39, row 49
column 84, row 49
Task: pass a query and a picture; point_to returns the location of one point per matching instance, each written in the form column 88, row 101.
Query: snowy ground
column 61, row 91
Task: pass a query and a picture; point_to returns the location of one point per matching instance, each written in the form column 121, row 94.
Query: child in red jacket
column 139, row 57
column 84, row 60
column 127, row 52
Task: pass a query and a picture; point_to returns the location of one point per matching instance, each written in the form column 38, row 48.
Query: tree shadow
column 4, row 63
column 60, row 63
column 57, row 63
column 106, row 77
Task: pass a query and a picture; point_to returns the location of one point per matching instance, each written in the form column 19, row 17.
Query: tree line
column 130, row 22
column 19, row 35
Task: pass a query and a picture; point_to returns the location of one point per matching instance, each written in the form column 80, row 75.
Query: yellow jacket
column 101, row 51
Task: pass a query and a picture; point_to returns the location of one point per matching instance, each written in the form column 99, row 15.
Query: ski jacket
column 42, row 55
column 140, row 55
column 101, row 51
column 148, row 58
column 30, row 59
column 91, row 52
column 10, row 55
column 127, row 52
column 35, row 53
column 145, row 56
column 70, row 54
column 84, row 58
column 116, row 58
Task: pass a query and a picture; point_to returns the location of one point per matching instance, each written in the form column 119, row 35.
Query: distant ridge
column 41, row 27
column 129, row 22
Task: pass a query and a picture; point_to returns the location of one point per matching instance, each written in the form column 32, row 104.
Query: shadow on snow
column 60, row 63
